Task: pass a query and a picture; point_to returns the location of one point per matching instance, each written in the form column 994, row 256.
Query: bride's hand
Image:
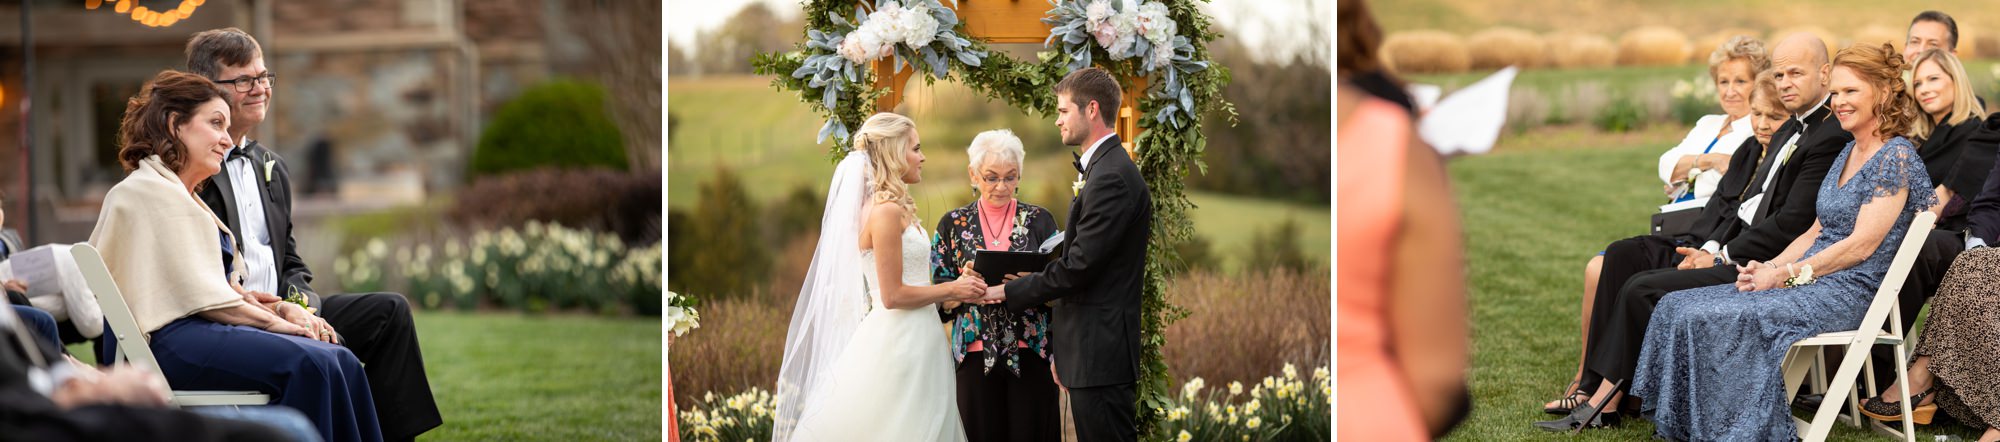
column 968, row 287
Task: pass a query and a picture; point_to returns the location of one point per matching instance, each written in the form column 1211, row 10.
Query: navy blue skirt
column 322, row 380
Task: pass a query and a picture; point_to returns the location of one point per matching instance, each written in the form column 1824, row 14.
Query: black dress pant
column 998, row 406
column 378, row 329
column 1105, row 413
column 1615, row 343
column 1623, row 259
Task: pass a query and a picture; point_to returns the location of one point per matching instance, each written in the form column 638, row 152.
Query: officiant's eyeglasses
column 244, row 84
column 989, row 179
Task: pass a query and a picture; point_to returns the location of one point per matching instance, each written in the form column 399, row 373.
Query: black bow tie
column 1077, row 162
column 240, row 152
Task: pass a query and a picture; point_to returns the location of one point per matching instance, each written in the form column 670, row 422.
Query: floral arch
column 859, row 54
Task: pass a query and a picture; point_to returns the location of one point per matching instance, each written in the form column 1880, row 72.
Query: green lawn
column 503, row 376
column 1533, row 217
column 766, row 138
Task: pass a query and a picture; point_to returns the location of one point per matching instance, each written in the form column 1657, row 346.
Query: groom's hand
column 994, row 295
column 1010, row 278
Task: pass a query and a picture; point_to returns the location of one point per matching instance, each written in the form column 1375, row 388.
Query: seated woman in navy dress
column 1710, row 368
column 174, row 262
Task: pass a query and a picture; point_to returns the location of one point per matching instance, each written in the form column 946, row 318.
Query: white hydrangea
column 1152, row 22
column 1124, row 31
column 917, row 26
column 1099, row 10
column 1162, row 53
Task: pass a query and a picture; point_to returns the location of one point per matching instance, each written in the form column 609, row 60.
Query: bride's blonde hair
column 883, row 137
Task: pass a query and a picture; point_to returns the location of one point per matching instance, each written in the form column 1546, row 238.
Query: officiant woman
column 1006, row 391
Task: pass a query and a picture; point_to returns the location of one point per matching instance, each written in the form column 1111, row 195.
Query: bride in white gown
column 865, row 358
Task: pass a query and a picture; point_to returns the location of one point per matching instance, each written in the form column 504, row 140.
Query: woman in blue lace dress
column 1710, row 368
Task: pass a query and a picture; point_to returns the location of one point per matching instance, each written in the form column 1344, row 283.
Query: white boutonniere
column 1076, row 188
column 267, row 170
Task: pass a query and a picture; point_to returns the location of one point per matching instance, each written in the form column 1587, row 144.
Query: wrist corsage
column 294, row 296
column 1803, row 277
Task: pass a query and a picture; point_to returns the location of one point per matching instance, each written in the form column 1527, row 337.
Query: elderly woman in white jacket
column 1691, row 169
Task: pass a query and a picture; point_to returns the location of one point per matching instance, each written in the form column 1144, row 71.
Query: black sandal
column 1567, row 403
column 1585, row 416
column 1875, row 408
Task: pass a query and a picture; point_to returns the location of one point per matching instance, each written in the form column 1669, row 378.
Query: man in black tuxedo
column 253, row 195
column 1095, row 286
column 1764, row 202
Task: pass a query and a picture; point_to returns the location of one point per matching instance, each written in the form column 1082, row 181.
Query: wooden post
column 887, row 77
column 1129, row 115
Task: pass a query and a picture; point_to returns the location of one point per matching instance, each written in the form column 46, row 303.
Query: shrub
column 624, row 203
column 1570, row 50
column 795, row 214
column 1693, row 98
column 1423, row 52
column 561, row 123
column 720, row 252
column 1196, row 254
column 1242, row 327
column 1278, row 248
column 1622, row 114
column 740, row 345
column 1653, row 46
column 1502, row 47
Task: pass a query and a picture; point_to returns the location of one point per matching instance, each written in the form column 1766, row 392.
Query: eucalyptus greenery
column 1169, row 147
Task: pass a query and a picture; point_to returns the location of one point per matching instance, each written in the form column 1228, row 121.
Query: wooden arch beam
column 1008, row 21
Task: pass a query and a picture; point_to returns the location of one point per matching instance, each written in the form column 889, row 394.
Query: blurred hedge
column 561, row 123
column 623, row 203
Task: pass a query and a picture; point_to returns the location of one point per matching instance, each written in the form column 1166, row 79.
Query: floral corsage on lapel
column 1020, row 223
column 1076, row 188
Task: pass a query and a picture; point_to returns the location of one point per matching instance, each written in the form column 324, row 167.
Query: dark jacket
column 1787, row 208
column 1100, row 277
column 275, row 186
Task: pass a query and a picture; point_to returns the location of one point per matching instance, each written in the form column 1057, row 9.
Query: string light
column 147, row 16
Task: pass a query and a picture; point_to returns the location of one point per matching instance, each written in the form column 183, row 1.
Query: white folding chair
column 132, row 345
column 1884, row 309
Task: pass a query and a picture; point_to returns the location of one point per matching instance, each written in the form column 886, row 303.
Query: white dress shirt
column 260, row 271
column 1092, row 151
column 1747, row 213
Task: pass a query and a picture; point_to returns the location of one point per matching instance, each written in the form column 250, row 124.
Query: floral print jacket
column 957, row 237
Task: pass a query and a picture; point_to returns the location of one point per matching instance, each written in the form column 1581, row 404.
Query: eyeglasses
column 245, row 84
column 997, row 180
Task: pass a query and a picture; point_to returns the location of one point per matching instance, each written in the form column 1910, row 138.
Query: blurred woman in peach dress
column 1401, row 371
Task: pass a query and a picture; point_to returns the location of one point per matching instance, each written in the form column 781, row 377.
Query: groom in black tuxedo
column 1095, row 286
column 253, row 194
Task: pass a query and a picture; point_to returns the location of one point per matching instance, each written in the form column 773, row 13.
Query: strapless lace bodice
column 916, row 264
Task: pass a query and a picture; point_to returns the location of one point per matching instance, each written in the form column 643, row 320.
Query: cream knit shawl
column 162, row 247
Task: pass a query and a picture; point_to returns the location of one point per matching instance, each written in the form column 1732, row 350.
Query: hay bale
column 1877, row 35
column 1825, row 36
column 1708, row 43
column 1973, row 44
column 1653, row 46
column 1425, row 52
column 1570, row 50
column 1502, row 47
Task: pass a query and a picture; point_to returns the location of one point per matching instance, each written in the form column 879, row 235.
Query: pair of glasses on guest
column 244, row 84
column 989, row 179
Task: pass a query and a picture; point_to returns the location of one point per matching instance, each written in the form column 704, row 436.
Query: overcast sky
column 1274, row 25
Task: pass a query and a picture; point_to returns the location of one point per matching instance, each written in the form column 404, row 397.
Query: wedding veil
column 832, row 300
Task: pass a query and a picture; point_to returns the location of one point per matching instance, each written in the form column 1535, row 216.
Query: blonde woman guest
column 174, row 261
column 1005, row 387
column 1704, row 154
column 880, row 371
column 1710, row 365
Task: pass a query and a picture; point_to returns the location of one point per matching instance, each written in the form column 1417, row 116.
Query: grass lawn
column 1533, row 217
column 503, row 376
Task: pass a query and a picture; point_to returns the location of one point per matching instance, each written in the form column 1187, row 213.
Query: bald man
column 1765, row 201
